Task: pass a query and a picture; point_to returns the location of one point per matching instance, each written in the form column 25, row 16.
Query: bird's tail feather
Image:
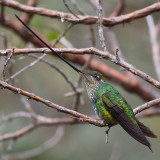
column 146, row 131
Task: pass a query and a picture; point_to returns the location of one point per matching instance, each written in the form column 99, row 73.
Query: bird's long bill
column 63, row 59
column 83, row 75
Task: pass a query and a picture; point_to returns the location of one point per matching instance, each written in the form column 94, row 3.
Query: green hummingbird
column 107, row 102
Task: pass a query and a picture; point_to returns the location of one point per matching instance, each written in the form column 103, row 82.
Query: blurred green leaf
column 52, row 35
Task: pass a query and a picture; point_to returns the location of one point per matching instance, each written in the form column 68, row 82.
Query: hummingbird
column 107, row 102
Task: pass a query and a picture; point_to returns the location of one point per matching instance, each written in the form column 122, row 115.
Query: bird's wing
column 123, row 119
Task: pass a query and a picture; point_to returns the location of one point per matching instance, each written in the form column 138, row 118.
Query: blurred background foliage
column 80, row 141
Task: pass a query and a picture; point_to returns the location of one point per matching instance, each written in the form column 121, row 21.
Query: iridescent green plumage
column 106, row 93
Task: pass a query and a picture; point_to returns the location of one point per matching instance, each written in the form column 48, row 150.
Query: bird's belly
column 104, row 114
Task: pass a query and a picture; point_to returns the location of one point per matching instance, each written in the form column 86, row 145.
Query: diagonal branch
column 52, row 105
column 17, row 133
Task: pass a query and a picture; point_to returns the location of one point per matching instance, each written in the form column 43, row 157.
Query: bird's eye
column 96, row 76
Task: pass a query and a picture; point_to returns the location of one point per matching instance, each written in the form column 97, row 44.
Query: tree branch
column 52, row 105
column 88, row 20
column 90, row 50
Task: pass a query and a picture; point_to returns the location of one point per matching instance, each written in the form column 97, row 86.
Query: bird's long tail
column 146, row 131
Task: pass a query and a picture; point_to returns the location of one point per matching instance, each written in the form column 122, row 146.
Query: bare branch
column 40, row 149
column 146, row 105
column 29, row 108
column 100, row 24
column 62, row 35
column 6, row 63
column 149, row 113
column 15, row 115
column 84, row 19
column 18, row 133
column 91, row 50
column 155, row 45
column 52, row 105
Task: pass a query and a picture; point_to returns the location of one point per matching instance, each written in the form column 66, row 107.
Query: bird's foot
column 107, row 131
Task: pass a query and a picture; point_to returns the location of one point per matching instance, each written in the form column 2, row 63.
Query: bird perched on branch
column 107, row 102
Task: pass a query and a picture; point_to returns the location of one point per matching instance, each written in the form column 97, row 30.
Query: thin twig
column 69, row 9
column 3, row 59
column 63, row 34
column 15, row 115
column 26, row 67
column 6, row 63
column 155, row 44
column 76, row 6
column 52, row 65
column 28, row 107
column 113, row 43
column 119, row 8
column 146, row 105
column 17, row 134
column 149, row 113
column 100, row 24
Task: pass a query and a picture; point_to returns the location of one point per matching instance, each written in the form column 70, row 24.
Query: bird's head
column 93, row 79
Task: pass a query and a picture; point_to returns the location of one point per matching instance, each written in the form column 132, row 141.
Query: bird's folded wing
column 123, row 119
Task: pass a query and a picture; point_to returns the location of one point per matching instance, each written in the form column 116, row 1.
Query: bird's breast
column 95, row 95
